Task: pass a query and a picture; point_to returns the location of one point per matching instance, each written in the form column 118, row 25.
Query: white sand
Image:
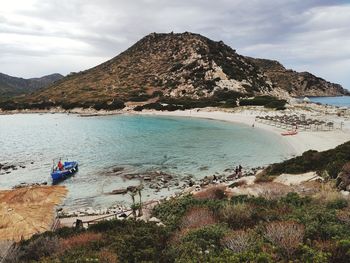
column 296, row 179
column 303, row 141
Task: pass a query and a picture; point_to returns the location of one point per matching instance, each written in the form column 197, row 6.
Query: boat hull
column 289, row 133
column 70, row 168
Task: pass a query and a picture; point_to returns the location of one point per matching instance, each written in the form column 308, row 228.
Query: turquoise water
column 139, row 144
column 343, row 101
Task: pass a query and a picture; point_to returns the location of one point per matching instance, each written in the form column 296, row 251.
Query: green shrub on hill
column 266, row 101
column 330, row 161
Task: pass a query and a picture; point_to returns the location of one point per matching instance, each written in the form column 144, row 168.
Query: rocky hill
column 13, row 86
column 297, row 83
column 176, row 66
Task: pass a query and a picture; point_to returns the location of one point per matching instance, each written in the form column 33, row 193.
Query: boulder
column 343, row 178
column 154, row 219
column 131, row 188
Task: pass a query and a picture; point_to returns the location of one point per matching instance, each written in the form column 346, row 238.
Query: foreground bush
column 239, row 241
column 241, row 229
column 286, row 235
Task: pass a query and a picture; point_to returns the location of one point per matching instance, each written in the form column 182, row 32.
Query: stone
column 131, row 188
column 130, row 176
column 345, row 193
column 154, row 219
column 343, row 179
column 119, row 191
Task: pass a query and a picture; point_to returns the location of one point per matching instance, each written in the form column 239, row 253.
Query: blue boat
column 68, row 169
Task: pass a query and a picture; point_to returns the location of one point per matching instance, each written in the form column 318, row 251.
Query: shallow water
column 342, row 101
column 139, row 144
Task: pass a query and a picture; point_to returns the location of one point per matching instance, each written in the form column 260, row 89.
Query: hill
column 297, row 83
column 13, row 86
column 173, row 68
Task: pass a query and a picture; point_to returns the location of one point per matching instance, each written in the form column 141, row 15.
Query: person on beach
column 240, row 171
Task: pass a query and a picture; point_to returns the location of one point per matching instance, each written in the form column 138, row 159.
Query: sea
column 342, row 101
column 109, row 148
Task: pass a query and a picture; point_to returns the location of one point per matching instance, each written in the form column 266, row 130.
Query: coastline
column 303, row 141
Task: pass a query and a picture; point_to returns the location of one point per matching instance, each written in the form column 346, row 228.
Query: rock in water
column 119, row 191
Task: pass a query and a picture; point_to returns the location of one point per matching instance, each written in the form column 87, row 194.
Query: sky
column 39, row 37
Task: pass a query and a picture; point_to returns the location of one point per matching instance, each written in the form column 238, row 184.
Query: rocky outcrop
column 343, row 179
column 297, row 83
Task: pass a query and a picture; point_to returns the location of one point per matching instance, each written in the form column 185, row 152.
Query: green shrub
column 42, row 246
column 266, row 101
column 310, row 255
column 207, row 237
column 237, row 216
column 331, row 161
column 295, row 200
column 339, row 203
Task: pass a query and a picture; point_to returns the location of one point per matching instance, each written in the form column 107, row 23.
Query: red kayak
column 289, row 133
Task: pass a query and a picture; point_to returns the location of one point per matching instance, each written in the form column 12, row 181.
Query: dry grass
column 273, row 190
column 78, row 240
column 344, row 215
column 213, row 192
column 262, row 178
column 106, row 256
column 198, row 217
column 327, row 193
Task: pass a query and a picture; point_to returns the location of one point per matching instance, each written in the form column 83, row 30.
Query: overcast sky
column 39, row 37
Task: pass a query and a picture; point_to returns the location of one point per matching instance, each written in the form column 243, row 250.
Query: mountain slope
column 297, row 83
column 13, row 86
column 176, row 66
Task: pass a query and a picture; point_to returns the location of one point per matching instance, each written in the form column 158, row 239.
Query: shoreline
column 303, row 141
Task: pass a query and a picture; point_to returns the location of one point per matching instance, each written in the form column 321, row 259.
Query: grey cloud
column 297, row 32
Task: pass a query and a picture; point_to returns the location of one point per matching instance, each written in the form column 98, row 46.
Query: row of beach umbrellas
column 295, row 121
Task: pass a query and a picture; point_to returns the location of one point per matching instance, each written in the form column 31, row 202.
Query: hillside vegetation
column 330, row 161
column 242, row 229
column 13, row 86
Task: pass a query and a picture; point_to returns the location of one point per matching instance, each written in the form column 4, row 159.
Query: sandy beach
column 303, row 141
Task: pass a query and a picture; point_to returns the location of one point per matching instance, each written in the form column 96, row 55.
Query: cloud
column 72, row 35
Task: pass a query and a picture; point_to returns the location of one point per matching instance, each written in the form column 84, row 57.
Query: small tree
column 133, row 206
column 139, row 190
column 239, row 241
column 287, row 235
